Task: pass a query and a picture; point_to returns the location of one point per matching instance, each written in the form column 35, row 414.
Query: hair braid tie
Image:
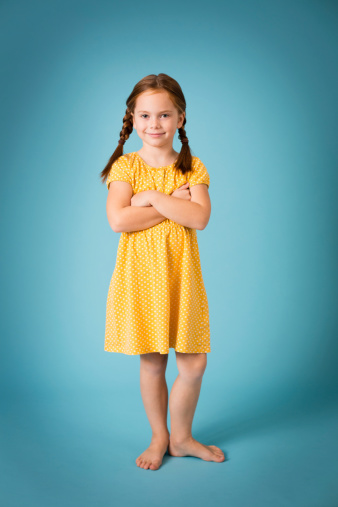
column 184, row 140
column 121, row 141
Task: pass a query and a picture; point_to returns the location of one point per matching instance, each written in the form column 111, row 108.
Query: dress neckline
column 151, row 167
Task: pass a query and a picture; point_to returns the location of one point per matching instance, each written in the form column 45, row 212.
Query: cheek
column 139, row 125
column 173, row 125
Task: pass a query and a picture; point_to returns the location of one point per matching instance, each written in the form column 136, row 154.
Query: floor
column 73, row 450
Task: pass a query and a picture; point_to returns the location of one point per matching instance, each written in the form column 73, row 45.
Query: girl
column 157, row 198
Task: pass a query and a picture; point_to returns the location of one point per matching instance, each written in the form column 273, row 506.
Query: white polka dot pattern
column 156, row 298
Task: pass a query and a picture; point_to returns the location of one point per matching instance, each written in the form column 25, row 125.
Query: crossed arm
column 152, row 207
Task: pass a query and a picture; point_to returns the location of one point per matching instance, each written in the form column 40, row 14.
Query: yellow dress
column 156, row 298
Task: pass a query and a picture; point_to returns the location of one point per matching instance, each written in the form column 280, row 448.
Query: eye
column 144, row 114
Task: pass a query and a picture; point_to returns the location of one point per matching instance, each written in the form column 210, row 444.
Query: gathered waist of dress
column 164, row 225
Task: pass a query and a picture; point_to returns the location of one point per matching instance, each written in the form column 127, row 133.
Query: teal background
column 260, row 79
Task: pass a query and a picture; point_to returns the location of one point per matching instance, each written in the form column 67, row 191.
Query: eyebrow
column 166, row 111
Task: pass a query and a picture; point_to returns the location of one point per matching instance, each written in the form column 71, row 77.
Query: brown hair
column 153, row 82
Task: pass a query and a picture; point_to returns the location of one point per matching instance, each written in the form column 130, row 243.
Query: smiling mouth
column 159, row 134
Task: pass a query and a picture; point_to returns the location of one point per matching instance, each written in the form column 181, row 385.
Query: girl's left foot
column 191, row 447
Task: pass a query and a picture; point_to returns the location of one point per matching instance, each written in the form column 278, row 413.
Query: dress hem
column 205, row 351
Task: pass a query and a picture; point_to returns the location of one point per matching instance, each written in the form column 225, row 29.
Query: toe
column 217, row 449
column 155, row 464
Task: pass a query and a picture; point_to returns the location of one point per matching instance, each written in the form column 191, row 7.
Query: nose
column 154, row 123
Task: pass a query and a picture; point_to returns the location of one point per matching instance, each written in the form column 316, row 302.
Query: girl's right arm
column 123, row 217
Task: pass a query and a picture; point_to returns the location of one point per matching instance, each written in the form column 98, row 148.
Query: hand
column 182, row 192
column 141, row 199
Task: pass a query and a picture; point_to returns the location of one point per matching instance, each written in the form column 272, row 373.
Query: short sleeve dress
column 157, row 298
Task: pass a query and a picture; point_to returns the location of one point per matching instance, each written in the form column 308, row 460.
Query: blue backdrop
column 260, row 79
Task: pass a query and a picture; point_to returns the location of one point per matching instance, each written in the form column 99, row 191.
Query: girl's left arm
column 194, row 213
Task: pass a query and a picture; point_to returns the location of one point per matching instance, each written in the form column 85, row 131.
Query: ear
column 181, row 120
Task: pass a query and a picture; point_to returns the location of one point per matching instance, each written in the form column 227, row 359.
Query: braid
column 184, row 159
column 182, row 135
column 127, row 129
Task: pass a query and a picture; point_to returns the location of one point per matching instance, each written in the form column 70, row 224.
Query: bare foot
column 153, row 455
column 191, row 447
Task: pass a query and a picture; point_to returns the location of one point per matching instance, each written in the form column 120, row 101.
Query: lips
column 156, row 135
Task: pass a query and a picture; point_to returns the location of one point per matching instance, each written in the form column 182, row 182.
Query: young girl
column 157, row 198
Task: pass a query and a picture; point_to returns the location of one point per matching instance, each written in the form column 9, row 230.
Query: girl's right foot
column 152, row 457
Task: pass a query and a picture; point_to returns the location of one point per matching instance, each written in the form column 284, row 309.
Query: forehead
column 153, row 101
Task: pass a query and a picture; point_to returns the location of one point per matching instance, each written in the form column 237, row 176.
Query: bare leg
column 154, row 391
column 182, row 405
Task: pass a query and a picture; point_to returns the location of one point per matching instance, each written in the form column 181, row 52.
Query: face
column 156, row 119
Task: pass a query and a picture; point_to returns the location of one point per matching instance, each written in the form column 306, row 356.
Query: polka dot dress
column 156, row 298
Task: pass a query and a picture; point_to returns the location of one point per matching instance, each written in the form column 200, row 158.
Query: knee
column 154, row 363
column 192, row 367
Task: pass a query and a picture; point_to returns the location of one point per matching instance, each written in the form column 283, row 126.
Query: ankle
column 180, row 439
column 160, row 435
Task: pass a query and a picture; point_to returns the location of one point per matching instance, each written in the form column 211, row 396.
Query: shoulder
column 198, row 173
column 122, row 161
column 120, row 170
column 196, row 161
